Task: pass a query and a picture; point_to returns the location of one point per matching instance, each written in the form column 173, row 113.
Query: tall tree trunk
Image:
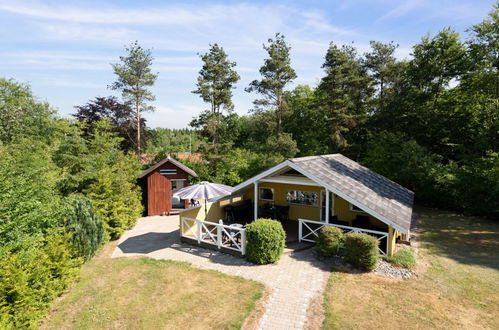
column 279, row 115
column 138, row 128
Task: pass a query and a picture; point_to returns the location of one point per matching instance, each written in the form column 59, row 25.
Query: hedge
column 330, row 241
column 265, row 241
column 361, row 250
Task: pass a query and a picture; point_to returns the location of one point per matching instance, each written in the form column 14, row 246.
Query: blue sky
column 64, row 48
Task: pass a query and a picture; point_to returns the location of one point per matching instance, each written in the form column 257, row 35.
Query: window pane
column 302, row 197
column 267, row 194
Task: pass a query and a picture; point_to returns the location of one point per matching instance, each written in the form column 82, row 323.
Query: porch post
column 255, row 200
column 327, row 206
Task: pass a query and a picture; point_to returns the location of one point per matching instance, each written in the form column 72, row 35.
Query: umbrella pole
column 205, row 211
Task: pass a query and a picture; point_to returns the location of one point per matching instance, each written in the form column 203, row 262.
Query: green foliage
column 32, row 275
column 100, row 170
column 29, row 203
column 276, row 73
column 361, row 250
column 330, row 241
column 43, row 160
column 216, row 80
column 134, row 77
column 233, row 166
column 403, row 258
column 163, row 141
column 343, row 93
column 478, row 186
column 85, row 227
column 21, row 115
column 402, row 160
column 266, row 239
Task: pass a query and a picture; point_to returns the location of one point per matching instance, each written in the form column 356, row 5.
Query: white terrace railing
column 308, row 232
column 216, row 234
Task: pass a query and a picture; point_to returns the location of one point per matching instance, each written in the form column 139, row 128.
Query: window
column 299, row 197
column 266, row 194
column 168, row 172
column 354, row 208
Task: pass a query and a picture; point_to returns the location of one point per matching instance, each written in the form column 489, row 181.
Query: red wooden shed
column 161, row 181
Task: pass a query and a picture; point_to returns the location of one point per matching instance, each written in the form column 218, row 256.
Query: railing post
column 243, row 241
column 219, row 233
column 199, row 224
column 300, row 224
column 327, row 206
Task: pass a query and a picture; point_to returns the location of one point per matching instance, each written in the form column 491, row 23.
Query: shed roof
column 364, row 188
column 166, row 160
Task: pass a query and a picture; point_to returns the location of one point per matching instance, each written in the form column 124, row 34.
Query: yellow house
column 307, row 194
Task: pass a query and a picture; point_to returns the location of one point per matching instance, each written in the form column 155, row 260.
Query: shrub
column 265, row 241
column 85, row 227
column 330, row 240
column 361, row 250
column 403, row 258
column 32, row 274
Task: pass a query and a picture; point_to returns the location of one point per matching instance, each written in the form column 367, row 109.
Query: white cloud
column 105, row 15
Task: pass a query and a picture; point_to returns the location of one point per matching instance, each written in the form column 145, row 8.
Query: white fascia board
column 347, row 198
column 295, row 182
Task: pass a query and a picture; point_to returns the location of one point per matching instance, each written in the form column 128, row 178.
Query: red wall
column 159, row 189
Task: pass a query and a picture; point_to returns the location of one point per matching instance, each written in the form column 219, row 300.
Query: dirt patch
column 315, row 311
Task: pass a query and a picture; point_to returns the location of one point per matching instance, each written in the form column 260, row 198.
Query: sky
column 64, row 49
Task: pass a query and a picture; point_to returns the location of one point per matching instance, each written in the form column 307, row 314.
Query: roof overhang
column 164, row 161
column 262, row 177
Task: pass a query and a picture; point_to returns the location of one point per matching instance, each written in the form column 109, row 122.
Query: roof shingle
column 368, row 188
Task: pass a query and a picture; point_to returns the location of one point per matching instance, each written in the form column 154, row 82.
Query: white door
column 323, row 205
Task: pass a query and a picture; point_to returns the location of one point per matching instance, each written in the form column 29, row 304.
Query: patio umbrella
column 204, row 190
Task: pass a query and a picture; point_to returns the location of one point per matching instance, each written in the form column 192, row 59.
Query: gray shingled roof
column 368, row 188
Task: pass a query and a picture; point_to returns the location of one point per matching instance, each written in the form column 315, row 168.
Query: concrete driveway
column 294, row 280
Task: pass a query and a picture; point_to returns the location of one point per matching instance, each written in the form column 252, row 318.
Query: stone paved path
column 294, row 280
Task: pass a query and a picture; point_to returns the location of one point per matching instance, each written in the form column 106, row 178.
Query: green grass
column 457, row 286
column 403, row 258
column 144, row 293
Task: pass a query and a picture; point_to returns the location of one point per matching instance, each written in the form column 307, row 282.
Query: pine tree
column 134, row 77
column 276, row 73
column 216, row 80
column 343, row 93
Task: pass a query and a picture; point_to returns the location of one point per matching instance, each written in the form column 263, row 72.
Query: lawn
column 457, row 286
column 143, row 293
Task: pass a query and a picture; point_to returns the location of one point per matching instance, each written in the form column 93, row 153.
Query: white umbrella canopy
column 204, row 190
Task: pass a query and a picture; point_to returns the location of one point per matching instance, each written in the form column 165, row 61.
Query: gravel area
column 387, row 269
column 384, row 268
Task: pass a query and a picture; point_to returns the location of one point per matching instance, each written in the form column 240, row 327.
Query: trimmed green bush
column 265, row 241
column 403, row 258
column 361, row 250
column 85, row 227
column 330, row 241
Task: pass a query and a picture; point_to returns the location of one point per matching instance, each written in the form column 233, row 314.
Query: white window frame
column 357, row 211
column 317, row 204
column 263, row 199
